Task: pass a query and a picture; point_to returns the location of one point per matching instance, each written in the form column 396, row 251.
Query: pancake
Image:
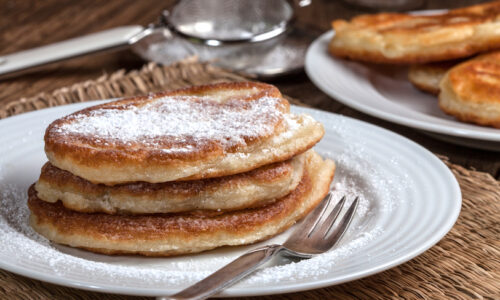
column 194, row 133
column 181, row 233
column 410, row 39
column 426, row 77
column 471, row 90
column 251, row 189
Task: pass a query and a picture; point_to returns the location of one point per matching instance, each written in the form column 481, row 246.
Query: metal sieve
column 234, row 34
column 223, row 22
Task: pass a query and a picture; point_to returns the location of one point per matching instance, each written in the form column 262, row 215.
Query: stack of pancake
column 439, row 48
column 179, row 172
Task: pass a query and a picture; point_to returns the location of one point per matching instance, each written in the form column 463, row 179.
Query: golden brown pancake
column 251, row 189
column 180, row 233
column 411, row 39
column 426, row 77
column 471, row 90
column 194, row 133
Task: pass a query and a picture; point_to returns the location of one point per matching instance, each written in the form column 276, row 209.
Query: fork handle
column 228, row 275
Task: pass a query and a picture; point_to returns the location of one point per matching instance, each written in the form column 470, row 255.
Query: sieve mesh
column 230, row 19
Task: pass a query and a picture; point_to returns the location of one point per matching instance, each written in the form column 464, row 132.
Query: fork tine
column 328, row 222
column 336, row 234
column 311, row 221
column 323, row 211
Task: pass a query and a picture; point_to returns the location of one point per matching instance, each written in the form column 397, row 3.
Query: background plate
column 409, row 201
column 384, row 91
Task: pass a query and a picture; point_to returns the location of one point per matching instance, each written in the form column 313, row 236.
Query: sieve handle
column 111, row 39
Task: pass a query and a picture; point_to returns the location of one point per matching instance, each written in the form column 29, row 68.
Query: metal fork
column 315, row 235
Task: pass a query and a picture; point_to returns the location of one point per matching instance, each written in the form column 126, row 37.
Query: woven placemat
column 464, row 265
column 151, row 78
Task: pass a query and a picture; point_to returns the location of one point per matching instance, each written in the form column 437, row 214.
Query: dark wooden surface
column 26, row 24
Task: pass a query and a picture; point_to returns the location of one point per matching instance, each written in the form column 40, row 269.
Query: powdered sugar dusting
column 185, row 121
column 358, row 174
column 17, row 234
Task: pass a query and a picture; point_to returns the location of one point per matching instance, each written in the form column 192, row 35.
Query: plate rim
column 455, row 193
column 444, row 129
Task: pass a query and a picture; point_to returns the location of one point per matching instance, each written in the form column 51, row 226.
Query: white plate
column 409, row 201
column 385, row 92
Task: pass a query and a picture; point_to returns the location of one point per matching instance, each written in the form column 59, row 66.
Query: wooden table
column 26, row 24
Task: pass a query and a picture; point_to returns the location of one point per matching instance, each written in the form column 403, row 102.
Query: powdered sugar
column 63, row 261
column 183, row 121
column 381, row 183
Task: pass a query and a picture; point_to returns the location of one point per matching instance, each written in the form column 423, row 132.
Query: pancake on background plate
column 426, row 77
column 470, row 91
column 414, row 39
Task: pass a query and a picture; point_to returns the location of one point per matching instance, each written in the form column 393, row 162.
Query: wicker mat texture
column 465, row 264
